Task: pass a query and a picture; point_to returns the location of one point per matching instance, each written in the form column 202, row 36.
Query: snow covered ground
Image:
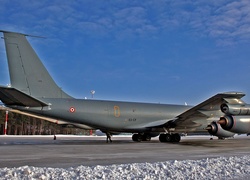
column 210, row 168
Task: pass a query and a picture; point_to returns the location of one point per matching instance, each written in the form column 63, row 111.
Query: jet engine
column 235, row 109
column 236, row 124
column 215, row 129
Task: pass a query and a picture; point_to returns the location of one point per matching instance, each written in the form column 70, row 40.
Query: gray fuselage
column 112, row 115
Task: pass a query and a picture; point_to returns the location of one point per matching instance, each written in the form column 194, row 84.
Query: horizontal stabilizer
column 56, row 121
column 3, row 31
column 11, row 96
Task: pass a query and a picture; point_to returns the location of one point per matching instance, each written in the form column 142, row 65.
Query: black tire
column 176, row 137
column 146, row 137
column 169, row 138
column 135, row 137
column 162, row 138
column 139, row 138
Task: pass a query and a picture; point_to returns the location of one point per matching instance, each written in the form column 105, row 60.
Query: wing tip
column 232, row 94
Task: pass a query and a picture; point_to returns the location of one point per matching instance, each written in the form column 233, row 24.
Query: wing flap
column 11, row 96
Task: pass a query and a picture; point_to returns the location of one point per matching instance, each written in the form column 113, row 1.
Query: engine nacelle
column 215, row 129
column 236, row 124
column 235, row 109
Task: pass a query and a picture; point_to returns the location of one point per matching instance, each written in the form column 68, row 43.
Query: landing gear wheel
column 162, row 138
column 137, row 137
column 146, row 137
column 176, row 137
column 168, row 138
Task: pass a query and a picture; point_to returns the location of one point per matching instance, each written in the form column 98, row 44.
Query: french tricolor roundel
column 72, row 109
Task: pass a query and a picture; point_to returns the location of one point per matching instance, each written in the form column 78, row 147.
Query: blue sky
column 156, row 51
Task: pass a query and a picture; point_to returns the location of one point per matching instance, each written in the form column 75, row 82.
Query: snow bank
column 210, row 168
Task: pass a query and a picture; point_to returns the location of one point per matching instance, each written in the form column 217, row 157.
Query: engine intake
column 215, row 129
column 235, row 109
column 236, row 124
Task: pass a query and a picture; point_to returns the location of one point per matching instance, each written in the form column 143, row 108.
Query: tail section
column 27, row 73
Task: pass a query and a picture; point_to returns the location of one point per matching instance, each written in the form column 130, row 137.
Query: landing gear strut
column 141, row 137
column 170, row 137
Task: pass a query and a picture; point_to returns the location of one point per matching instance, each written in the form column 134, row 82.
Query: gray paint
column 27, row 73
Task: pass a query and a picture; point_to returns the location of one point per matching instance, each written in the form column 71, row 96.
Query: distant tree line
column 19, row 124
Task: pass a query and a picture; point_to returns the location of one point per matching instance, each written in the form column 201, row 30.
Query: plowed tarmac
column 72, row 151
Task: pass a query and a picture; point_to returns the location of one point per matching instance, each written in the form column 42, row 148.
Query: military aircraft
column 34, row 92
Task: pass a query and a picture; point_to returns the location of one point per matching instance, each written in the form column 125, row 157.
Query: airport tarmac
column 72, row 151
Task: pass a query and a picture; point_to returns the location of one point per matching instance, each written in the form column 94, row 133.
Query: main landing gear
column 170, row 137
column 163, row 137
column 141, row 137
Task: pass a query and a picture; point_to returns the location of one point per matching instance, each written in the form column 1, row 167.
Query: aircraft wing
column 197, row 115
column 11, row 96
column 201, row 114
column 208, row 109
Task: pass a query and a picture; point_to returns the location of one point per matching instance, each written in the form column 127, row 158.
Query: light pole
column 92, row 93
